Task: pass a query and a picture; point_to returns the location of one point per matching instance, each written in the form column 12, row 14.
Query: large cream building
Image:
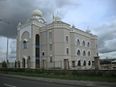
column 56, row 45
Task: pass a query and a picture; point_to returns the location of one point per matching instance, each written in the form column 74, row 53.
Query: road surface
column 18, row 82
column 25, row 81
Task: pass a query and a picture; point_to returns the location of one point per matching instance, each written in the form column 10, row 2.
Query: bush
column 103, row 73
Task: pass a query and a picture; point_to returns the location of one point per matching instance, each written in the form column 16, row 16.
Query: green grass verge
column 67, row 76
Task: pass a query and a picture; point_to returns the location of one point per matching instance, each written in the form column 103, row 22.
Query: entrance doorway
column 43, row 64
column 23, row 63
column 66, row 64
column 28, row 62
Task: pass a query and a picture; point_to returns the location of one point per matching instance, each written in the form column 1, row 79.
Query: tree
column 4, row 64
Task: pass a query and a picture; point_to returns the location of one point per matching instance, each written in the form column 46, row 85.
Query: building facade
column 56, row 45
column 108, row 64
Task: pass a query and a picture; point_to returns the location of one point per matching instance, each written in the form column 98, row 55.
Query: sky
column 98, row 16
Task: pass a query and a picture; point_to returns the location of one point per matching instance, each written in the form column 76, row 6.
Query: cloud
column 78, row 12
column 108, row 55
column 2, row 55
column 107, row 37
column 11, row 50
column 13, row 11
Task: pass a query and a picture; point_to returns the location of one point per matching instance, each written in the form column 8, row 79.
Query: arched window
column 43, row 53
column 79, row 63
column 50, row 35
column 25, row 44
column 37, row 39
column 67, row 51
column 83, row 43
column 73, row 63
column 66, row 39
column 89, row 63
column 78, row 42
column 50, row 47
column 88, row 53
column 84, row 63
column 88, row 44
column 37, row 50
column 51, row 59
column 84, row 53
column 78, row 52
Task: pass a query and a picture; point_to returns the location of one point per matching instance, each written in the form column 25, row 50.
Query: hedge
column 111, row 73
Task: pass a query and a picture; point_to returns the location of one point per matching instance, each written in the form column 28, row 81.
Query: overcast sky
column 99, row 16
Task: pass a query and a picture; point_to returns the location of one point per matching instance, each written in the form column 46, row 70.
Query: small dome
column 56, row 18
column 37, row 12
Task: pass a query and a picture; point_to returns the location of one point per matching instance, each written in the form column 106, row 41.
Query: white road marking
column 7, row 85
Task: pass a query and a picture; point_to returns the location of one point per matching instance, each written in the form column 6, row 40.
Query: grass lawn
column 68, row 77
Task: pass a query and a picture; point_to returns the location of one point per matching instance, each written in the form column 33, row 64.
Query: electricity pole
column 7, row 51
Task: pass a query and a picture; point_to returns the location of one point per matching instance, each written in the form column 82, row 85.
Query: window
column 83, row 43
column 37, row 40
column 93, row 62
column 96, row 46
column 23, row 63
column 50, row 35
column 89, row 63
column 37, row 52
column 79, row 63
column 84, row 53
column 88, row 53
column 73, row 63
column 51, row 59
column 50, row 47
column 18, row 64
column 78, row 53
column 88, row 44
column 78, row 42
column 84, row 63
column 67, row 51
column 28, row 62
column 43, row 53
column 37, row 46
column 25, row 44
column 66, row 39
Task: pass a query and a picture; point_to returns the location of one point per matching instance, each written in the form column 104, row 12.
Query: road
column 25, row 81
column 18, row 82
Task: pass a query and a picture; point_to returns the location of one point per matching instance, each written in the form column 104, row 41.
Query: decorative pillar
column 97, row 62
column 26, row 62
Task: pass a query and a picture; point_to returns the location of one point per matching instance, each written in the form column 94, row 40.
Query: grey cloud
column 13, row 11
column 110, row 47
column 107, row 38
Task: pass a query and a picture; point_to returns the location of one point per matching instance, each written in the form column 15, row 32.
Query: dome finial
column 19, row 24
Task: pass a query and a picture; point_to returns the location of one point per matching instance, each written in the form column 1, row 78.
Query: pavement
column 67, row 83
